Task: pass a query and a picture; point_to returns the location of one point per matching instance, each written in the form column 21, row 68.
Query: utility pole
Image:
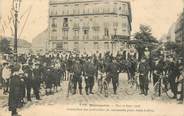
column 16, row 8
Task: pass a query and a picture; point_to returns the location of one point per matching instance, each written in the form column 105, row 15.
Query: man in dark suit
column 15, row 95
column 113, row 70
column 90, row 72
column 143, row 77
column 77, row 73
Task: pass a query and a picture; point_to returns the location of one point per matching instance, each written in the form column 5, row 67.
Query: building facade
column 89, row 26
column 171, row 33
column 179, row 30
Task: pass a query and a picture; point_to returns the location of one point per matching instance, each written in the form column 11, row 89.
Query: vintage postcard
column 91, row 57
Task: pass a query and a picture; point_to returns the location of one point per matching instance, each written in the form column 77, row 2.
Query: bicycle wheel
column 69, row 89
column 105, row 86
column 100, row 86
column 168, row 91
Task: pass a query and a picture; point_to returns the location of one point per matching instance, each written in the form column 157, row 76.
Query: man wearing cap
column 77, row 73
column 113, row 70
column 36, row 78
column 28, row 79
column 143, row 77
column 90, row 72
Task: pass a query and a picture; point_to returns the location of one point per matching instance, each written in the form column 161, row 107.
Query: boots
column 86, row 89
column 74, row 92
column 80, row 91
column 142, row 91
column 146, row 92
column 115, row 92
column 91, row 90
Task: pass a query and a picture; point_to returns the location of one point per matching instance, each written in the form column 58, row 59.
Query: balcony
column 65, row 28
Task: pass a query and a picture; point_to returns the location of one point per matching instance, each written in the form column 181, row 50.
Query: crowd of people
column 46, row 72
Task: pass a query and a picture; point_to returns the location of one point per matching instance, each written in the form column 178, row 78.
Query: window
column 65, row 45
column 96, row 45
column 65, row 22
column 124, row 26
column 65, row 34
column 75, row 26
column 76, row 31
column 59, row 46
column 106, row 32
column 76, row 46
column 54, row 10
column 124, row 8
column 54, row 25
column 84, row 11
column 115, row 8
column 85, row 32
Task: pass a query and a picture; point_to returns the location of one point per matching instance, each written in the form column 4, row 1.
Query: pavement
column 59, row 99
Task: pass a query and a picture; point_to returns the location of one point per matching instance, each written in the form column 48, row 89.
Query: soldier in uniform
column 77, row 73
column 28, row 82
column 143, row 77
column 48, row 81
column 113, row 71
column 90, row 72
column 36, row 78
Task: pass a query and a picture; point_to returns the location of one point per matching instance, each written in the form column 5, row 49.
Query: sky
column 159, row 14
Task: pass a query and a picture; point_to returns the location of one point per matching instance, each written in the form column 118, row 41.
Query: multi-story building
column 179, row 30
column 89, row 25
column 171, row 33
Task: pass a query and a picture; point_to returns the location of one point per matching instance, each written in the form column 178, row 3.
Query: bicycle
column 162, row 86
column 134, row 85
column 103, row 84
column 70, row 85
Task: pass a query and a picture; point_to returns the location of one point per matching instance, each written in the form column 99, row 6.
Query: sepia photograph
column 91, row 57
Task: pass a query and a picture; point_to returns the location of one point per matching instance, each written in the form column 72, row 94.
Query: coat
column 15, row 94
column 113, row 70
column 90, row 69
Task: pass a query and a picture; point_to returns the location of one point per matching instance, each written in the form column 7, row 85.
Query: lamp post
column 16, row 8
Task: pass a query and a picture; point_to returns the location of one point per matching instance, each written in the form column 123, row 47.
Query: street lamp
column 16, row 8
